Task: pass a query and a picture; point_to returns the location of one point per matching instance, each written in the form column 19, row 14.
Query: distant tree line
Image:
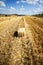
column 38, row 15
column 11, row 15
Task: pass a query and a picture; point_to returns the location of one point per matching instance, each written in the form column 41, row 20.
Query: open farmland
column 26, row 50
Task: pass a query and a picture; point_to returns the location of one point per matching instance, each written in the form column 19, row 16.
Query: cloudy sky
column 27, row 7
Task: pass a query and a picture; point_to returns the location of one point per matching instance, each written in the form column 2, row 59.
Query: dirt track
column 26, row 50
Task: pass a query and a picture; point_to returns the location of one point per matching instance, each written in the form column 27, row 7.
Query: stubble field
column 26, row 50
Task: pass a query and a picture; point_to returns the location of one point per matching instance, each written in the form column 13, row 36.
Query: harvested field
column 25, row 50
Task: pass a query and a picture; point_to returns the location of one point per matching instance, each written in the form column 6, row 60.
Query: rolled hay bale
column 15, row 34
column 21, row 32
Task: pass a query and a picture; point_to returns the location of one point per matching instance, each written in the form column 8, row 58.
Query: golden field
column 26, row 50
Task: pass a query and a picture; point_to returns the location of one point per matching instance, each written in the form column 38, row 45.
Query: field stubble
column 26, row 50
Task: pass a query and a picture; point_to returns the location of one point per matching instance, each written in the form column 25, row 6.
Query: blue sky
column 27, row 7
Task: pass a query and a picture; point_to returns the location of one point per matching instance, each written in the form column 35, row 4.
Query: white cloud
column 38, row 10
column 29, row 1
column 22, row 6
column 40, row 5
column 2, row 9
column 12, row 8
column 21, row 10
column 2, row 3
column 23, row 1
column 17, row 2
column 41, row 1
